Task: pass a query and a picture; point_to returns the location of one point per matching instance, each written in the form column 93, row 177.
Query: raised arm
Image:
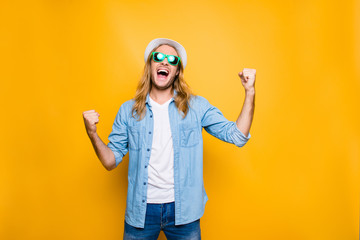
column 245, row 118
column 103, row 152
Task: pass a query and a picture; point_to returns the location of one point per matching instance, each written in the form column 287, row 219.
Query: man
column 161, row 128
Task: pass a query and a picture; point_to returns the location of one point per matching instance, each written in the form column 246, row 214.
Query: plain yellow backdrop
column 296, row 179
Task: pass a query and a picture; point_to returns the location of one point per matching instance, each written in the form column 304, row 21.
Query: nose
column 165, row 61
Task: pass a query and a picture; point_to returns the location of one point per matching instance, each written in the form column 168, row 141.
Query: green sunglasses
column 159, row 57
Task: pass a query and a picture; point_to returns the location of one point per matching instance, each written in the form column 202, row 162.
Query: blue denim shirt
column 134, row 136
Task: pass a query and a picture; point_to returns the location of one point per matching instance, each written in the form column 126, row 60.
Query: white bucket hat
column 158, row 41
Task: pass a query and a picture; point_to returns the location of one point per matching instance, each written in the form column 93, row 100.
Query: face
column 163, row 79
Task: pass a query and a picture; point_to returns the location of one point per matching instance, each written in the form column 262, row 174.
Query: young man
column 161, row 128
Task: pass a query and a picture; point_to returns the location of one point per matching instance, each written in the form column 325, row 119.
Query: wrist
column 92, row 135
column 250, row 91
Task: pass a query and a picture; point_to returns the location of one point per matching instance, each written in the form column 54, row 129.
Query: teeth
column 162, row 70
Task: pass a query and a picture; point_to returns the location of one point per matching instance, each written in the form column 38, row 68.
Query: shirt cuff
column 118, row 156
column 242, row 139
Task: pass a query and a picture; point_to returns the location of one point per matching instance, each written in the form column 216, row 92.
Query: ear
column 177, row 73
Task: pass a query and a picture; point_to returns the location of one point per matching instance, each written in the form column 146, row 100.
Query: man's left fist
column 247, row 77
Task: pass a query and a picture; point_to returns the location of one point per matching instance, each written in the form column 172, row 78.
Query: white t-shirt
column 161, row 164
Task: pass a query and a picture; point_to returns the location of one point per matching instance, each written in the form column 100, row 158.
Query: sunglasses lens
column 158, row 57
column 173, row 59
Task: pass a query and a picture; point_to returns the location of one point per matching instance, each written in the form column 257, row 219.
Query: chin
column 163, row 85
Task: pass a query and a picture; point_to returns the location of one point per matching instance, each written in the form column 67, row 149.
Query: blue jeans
column 161, row 217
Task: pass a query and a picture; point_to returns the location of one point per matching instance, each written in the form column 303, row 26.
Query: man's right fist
column 91, row 118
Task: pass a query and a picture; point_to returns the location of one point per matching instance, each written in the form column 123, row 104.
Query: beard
column 170, row 84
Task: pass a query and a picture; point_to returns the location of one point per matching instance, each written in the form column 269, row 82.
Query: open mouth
column 162, row 73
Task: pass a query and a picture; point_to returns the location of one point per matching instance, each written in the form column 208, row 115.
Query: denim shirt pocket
column 134, row 137
column 189, row 134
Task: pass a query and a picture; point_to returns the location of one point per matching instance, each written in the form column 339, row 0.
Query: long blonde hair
column 182, row 98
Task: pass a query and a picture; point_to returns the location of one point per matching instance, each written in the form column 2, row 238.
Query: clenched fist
column 247, row 77
column 91, row 118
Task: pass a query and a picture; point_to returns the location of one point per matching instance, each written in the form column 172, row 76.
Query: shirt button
column 146, row 166
column 144, row 183
column 148, row 149
column 143, row 200
column 149, row 132
column 150, row 116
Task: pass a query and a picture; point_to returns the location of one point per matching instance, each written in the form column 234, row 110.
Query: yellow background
column 298, row 176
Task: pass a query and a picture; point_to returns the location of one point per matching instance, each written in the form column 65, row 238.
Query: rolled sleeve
column 239, row 138
column 118, row 138
column 117, row 154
